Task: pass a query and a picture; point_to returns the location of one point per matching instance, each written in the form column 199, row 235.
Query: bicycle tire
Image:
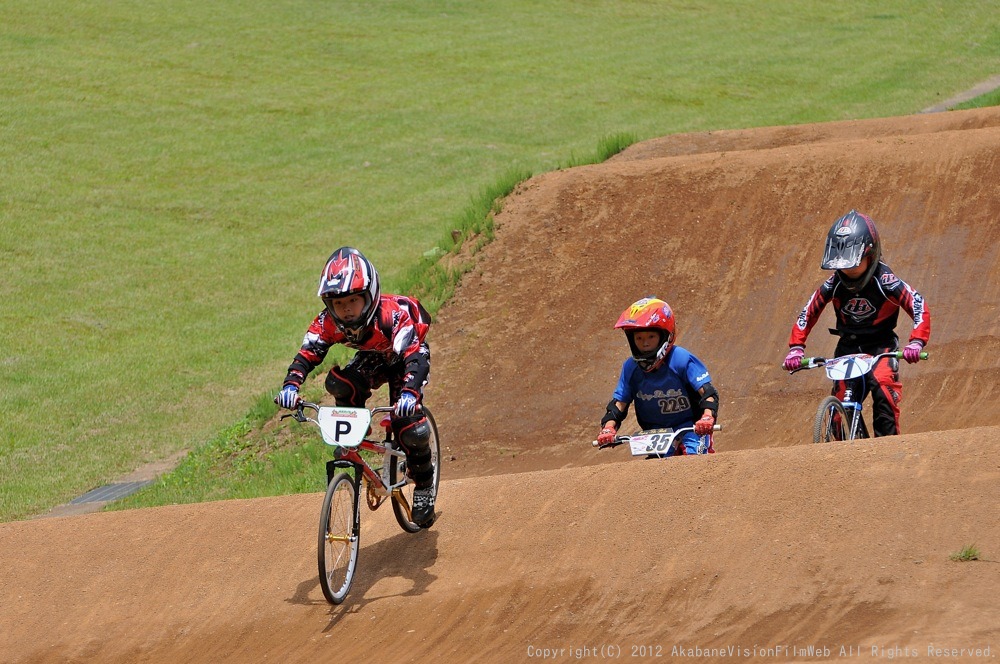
column 339, row 537
column 824, row 430
column 403, row 498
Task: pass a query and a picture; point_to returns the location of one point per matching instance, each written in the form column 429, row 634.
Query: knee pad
column 415, row 435
column 348, row 387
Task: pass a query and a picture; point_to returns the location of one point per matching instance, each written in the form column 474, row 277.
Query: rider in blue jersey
column 671, row 388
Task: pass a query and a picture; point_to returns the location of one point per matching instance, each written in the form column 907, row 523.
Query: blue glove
column 407, row 404
column 288, row 397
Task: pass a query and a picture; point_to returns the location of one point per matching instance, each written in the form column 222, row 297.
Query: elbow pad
column 298, row 370
column 416, row 370
column 614, row 414
column 710, row 399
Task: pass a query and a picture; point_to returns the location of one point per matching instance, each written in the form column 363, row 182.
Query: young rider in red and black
column 866, row 296
column 388, row 331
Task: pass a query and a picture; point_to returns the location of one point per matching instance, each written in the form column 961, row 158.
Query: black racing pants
column 352, row 386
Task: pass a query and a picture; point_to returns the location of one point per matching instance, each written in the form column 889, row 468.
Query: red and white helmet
column 649, row 313
column 348, row 272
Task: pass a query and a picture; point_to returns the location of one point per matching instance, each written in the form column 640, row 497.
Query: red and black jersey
column 869, row 316
column 397, row 333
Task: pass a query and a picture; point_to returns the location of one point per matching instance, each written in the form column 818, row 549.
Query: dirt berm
column 545, row 546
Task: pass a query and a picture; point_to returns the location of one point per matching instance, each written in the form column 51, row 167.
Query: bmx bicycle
column 842, row 419
column 652, row 443
column 348, row 431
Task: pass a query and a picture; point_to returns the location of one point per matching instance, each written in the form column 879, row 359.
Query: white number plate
column 651, row 442
column 343, row 427
column 849, row 367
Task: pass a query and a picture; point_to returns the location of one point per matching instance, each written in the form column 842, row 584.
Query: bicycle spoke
column 338, row 545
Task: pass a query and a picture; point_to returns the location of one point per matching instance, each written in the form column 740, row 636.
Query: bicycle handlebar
column 300, row 415
column 813, row 362
column 625, row 438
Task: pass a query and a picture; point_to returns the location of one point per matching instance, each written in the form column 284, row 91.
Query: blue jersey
column 667, row 397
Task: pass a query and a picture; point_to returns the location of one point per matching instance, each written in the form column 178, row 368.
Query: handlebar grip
column 717, row 427
column 899, row 355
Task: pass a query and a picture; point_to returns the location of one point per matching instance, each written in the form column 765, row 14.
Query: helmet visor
column 843, row 254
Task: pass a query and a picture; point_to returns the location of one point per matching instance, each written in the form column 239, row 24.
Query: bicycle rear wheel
column 827, row 428
column 339, row 536
column 402, row 499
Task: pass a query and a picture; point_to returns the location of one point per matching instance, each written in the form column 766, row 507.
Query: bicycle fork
column 331, row 470
column 853, row 410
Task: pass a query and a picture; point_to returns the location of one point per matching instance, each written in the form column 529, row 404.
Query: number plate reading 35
column 652, row 443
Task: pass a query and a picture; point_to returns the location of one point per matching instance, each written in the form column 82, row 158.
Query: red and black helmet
column 654, row 314
column 850, row 240
column 348, row 272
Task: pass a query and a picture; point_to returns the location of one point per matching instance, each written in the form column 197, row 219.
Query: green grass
column 240, row 462
column 968, row 553
column 991, row 98
column 245, row 461
column 173, row 174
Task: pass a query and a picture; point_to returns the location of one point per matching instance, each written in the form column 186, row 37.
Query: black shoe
column 422, row 510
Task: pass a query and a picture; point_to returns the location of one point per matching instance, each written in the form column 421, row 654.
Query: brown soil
column 769, row 546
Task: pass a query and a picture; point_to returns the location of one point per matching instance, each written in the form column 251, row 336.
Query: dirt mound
column 757, row 553
column 829, row 546
column 728, row 227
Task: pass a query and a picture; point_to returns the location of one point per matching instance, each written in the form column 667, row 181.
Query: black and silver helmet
column 850, row 240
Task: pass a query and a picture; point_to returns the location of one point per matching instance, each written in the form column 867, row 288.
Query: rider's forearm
column 709, row 399
column 298, row 370
column 417, row 367
column 617, row 410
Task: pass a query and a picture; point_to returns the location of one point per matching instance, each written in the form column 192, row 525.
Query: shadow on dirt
column 403, row 559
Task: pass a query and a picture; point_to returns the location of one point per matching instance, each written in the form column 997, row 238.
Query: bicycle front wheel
column 339, row 537
column 828, row 427
column 402, row 498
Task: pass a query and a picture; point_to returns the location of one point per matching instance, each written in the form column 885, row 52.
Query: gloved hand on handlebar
column 607, row 435
column 703, row 427
column 288, row 397
column 912, row 351
column 793, row 360
column 406, row 406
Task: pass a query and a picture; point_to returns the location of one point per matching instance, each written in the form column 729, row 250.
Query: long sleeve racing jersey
column 869, row 316
column 397, row 333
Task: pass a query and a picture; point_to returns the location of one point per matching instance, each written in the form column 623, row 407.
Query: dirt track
column 769, row 544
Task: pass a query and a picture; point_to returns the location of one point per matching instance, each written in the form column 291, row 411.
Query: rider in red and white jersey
column 389, row 332
column 866, row 296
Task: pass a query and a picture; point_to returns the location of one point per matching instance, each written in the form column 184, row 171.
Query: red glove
column 703, row 427
column 793, row 360
column 607, row 435
column 912, row 351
